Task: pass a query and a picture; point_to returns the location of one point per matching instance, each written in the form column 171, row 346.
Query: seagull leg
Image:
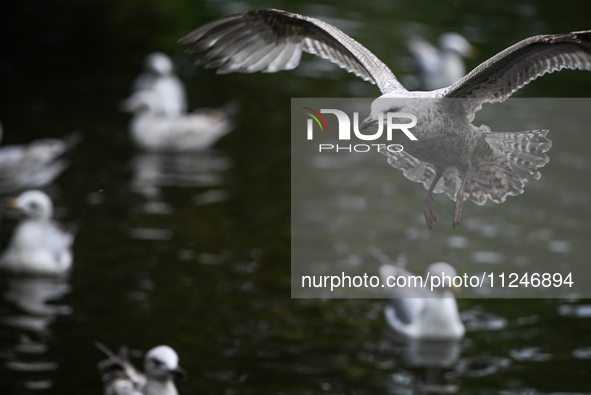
column 429, row 207
column 460, row 198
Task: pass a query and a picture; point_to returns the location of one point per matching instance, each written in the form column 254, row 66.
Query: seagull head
column 34, row 204
column 158, row 63
column 161, row 363
column 383, row 105
column 455, row 42
column 442, row 270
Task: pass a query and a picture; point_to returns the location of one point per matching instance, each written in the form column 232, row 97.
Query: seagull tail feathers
column 505, row 169
column 524, row 150
column 231, row 108
column 499, row 173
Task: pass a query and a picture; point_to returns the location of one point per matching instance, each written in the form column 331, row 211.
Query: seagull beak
column 366, row 123
column 455, row 290
column 473, row 52
column 12, row 203
column 179, row 373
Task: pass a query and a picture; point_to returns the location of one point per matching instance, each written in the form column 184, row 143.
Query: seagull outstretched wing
column 273, row 40
column 508, row 71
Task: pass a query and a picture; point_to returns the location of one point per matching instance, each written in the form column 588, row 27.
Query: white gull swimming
column 199, row 130
column 418, row 312
column 39, row 245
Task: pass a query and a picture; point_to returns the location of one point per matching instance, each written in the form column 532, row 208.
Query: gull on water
column 419, row 312
column 440, row 67
column 451, row 155
column 187, row 132
column 158, row 76
column 39, row 245
column 121, row 378
column 34, row 165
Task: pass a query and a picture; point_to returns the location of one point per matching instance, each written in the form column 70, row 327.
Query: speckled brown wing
column 119, row 376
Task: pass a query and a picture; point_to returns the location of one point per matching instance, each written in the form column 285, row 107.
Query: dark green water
column 213, row 279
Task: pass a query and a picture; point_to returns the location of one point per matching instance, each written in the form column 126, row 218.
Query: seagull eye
column 157, row 362
column 34, row 205
column 394, row 109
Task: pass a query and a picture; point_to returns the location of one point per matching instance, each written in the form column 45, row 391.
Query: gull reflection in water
column 154, row 170
column 432, row 366
column 424, row 364
column 27, row 314
column 426, row 361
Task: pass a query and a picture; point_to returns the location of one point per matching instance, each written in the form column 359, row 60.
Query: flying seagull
column 121, row 378
column 451, row 155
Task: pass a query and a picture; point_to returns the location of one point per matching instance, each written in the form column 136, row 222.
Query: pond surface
column 194, row 251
